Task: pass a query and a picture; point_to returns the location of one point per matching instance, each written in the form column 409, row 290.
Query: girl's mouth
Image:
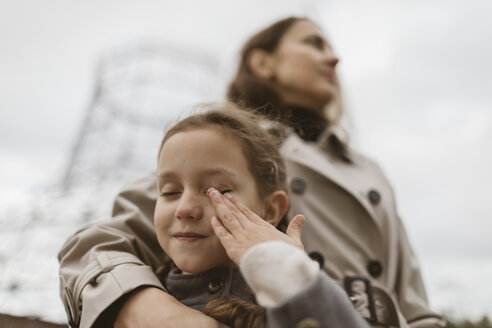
column 188, row 237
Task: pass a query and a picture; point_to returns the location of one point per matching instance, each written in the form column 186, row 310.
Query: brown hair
column 267, row 167
column 249, row 90
column 259, row 147
column 236, row 313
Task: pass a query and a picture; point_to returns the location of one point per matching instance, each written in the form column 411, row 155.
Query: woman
column 353, row 227
column 353, row 230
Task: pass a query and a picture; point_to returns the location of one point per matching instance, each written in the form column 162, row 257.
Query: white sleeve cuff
column 276, row 271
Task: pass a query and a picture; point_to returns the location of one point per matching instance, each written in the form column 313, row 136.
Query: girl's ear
column 276, row 206
column 261, row 63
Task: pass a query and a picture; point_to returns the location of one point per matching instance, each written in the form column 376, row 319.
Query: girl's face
column 190, row 162
column 304, row 67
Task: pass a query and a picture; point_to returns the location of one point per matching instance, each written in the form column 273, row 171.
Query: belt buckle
column 373, row 303
column 359, row 291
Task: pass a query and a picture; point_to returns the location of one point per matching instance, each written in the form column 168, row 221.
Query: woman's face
column 190, row 163
column 304, row 67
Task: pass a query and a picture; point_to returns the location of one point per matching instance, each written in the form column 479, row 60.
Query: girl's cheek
column 161, row 222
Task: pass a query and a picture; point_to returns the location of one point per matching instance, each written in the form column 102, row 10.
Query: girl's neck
column 219, row 267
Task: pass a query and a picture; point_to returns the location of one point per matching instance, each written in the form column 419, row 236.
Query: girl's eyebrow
column 219, row 171
column 210, row 172
column 163, row 177
column 166, row 175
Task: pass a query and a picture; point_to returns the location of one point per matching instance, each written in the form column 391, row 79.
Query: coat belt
column 373, row 303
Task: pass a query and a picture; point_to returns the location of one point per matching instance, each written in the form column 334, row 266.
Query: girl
column 213, row 168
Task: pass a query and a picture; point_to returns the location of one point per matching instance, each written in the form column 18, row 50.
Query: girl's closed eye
column 221, row 190
column 168, row 194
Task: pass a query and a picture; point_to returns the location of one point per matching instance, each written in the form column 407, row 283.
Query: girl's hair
column 236, row 313
column 260, row 149
column 251, row 91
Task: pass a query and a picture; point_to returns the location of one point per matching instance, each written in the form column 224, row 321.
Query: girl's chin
column 193, row 268
column 188, row 267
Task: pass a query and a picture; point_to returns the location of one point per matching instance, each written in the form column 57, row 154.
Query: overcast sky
column 417, row 79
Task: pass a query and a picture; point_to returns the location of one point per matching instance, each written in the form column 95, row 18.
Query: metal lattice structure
column 138, row 89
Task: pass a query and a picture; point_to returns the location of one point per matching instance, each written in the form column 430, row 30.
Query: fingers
column 243, row 209
column 229, row 215
column 294, row 230
column 220, row 231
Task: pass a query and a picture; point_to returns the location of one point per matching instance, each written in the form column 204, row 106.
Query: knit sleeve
column 276, row 271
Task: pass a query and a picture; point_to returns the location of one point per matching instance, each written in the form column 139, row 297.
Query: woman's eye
column 316, row 41
column 223, row 191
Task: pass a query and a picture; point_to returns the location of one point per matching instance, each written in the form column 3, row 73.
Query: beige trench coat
column 352, row 227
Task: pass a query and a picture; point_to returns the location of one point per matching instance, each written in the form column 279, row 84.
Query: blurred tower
column 138, row 89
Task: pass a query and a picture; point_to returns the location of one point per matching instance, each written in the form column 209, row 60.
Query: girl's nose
column 190, row 207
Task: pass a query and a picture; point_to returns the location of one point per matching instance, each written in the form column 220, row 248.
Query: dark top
column 196, row 290
column 307, row 124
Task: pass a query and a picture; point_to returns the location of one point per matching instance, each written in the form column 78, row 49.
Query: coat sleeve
column 410, row 289
column 321, row 304
column 101, row 263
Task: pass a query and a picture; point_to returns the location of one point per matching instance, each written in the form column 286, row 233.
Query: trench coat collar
column 336, row 137
column 308, row 154
column 333, row 139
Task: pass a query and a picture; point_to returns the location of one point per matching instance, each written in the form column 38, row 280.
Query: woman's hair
column 247, row 88
column 259, row 147
column 261, row 151
column 251, row 91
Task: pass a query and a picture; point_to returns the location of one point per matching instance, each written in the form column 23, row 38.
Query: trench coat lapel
column 309, row 155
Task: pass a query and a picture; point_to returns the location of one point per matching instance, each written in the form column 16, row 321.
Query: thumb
column 294, row 230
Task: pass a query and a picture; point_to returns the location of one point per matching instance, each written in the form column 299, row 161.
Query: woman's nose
column 330, row 57
column 190, row 206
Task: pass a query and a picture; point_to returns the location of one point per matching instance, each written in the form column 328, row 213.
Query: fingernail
column 213, row 193
column 228, row 195
column 214, row 219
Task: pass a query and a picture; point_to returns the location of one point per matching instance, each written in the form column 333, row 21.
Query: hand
column 150, row 307
column 239, row 229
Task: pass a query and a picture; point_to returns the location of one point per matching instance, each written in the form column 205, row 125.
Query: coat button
column 375, row 268
column 374, row 197
column 214, row 286
column 298, row 186
column 308, row 323
column 316, row 256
